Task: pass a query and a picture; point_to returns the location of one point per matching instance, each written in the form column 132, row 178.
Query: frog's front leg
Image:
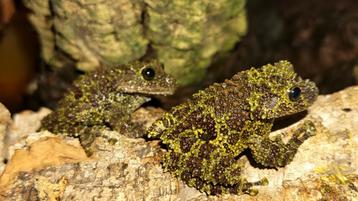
column 275, row 153
column 122, row 123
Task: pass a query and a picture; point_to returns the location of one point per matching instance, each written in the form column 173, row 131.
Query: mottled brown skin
column 105, row 99
column 206, row 134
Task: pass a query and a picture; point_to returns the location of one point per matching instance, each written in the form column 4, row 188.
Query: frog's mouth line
column 153, row 102
column 286, row 121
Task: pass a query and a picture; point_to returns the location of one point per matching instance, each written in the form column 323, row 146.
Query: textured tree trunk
column 184, row 35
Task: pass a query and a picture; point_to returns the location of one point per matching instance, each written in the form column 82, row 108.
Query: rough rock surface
column 22, row 126
column 5, row 120
column 325, row 167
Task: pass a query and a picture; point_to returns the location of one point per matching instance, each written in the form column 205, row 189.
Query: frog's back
column 84, row 103
column 212, row 113
column 205, row 130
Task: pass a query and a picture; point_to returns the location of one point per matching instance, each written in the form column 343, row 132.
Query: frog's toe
column 248, row 187
column 310, row 128
column 89, row 151
column 251, row 191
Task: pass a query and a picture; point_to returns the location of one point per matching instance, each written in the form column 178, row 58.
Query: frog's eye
column 148, row 73
column 294, row 93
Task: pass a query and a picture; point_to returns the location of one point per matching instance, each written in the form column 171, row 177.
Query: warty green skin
column 105, row 99
column 206, row 134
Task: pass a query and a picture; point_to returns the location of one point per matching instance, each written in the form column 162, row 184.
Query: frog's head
column 146, row 78
column 277, row 91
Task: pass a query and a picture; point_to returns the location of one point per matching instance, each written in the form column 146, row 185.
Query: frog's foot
column 137, row 132
column 86, row 140
column 111, row 137
column 132, row 130
column 243, row 188
column 247, row 187
column 88, row 150
column 306, row 130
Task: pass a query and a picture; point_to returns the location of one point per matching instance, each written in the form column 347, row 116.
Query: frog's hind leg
column 231, row 181
column 223, row 176
column 226, row 176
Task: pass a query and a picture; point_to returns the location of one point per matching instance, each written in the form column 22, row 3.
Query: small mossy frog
column 105, row 99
